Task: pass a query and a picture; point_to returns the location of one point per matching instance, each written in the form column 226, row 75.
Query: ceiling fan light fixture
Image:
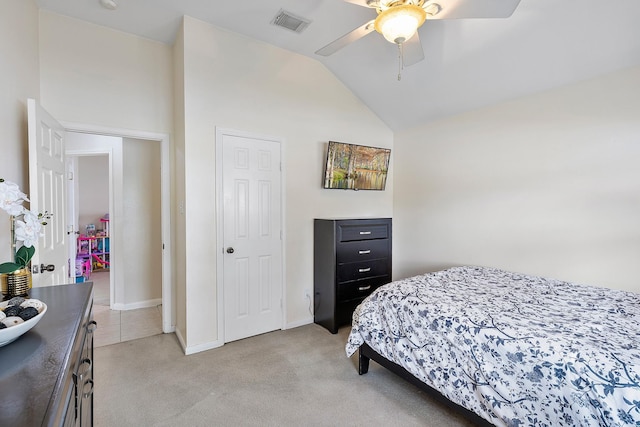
column 399, row 23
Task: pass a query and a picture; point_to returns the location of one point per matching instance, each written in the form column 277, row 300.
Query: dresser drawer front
column 360, row 288
column 363, row 270
column 351, row 232
column 362, row 250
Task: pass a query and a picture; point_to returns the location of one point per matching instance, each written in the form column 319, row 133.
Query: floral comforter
column 517, row 350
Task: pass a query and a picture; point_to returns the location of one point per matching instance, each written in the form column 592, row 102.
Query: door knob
column 230, row 250
column 49, row 267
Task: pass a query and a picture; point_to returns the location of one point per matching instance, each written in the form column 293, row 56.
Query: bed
column 512, row 349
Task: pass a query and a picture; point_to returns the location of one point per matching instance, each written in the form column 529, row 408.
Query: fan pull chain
column 400, row 60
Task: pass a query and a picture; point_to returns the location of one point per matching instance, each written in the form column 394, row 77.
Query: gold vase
column 16, row 284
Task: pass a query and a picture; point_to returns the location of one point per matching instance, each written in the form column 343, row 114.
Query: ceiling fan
column 398, row 21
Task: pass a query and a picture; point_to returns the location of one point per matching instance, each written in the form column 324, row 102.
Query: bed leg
column 363, row 363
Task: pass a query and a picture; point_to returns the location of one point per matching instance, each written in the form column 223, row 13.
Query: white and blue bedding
column 517, row 350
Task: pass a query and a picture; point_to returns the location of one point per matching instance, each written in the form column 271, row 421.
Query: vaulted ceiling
column 469, row 63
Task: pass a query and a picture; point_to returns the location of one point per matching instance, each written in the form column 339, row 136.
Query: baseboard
column 180, row 340
column 202, row 347
column 140, row 304
column 196, row 348
column 215, row 344
column 299, row 323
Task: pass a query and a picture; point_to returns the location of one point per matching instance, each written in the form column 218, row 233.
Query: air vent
column 290, row 21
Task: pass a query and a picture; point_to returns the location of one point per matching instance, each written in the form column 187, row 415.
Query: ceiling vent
column 290, row 21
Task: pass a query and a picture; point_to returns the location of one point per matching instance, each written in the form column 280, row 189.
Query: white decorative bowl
column 12, row 333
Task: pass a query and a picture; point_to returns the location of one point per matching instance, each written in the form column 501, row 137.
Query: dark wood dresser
column 351, row 258
column 46, row 375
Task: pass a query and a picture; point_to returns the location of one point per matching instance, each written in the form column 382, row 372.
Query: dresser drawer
column 360, row 288
column 362, row 250
column 364, row 231
column 363, row 269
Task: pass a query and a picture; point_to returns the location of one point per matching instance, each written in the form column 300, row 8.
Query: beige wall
column 94, row 75
column 141, row 223
column 180, row 249
column 547, row 185
column 234, row 82
column 18, row 81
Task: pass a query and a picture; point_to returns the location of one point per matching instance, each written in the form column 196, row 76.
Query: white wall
column 239, row 83
column 95, row 75
column 547, row 185
column 93, row 190
column 18, row 81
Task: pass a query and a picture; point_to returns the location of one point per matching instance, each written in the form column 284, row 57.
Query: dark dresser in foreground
column 46, row 375
column 351, row 258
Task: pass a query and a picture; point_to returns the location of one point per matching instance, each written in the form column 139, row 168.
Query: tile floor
column 118, row 326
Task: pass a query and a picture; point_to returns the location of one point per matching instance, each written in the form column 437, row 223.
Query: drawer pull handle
column 365, row 233
column 92, row 326
column 87, row 393
column 364, row 270
column 368, row 251
column 364, row 288
column 84, row 369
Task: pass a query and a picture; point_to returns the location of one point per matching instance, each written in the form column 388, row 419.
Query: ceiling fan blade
column 412, row 51
column 462, row 9
column 338, row 44
column 363, row 3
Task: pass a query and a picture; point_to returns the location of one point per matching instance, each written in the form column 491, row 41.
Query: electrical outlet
column 307, row 294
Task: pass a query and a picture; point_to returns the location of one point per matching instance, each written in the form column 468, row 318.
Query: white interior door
column 72, row 213
column 251, row 185
column 47, row 193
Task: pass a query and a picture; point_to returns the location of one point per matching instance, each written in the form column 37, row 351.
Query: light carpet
column 297, row 377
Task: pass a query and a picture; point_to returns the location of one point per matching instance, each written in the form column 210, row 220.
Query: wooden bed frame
column 366, row 353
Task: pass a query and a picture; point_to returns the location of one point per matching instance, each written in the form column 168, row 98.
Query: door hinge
column 70, row 176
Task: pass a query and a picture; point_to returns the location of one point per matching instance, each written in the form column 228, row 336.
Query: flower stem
column 13, row 237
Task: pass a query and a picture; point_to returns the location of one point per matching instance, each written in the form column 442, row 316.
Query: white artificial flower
column 28, row 231
column 11, row 198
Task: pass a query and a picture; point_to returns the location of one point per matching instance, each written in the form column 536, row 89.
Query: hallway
column 119, row 326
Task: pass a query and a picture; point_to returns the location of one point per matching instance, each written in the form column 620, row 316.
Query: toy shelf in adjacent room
column 93, row 250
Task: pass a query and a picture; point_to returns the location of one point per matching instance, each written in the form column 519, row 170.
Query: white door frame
column 168, row 291
column 220, row 132
column 72, row 213
column 113, row 186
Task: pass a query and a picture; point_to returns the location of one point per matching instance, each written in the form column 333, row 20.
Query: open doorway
column 117, row 197
column 89, row 211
